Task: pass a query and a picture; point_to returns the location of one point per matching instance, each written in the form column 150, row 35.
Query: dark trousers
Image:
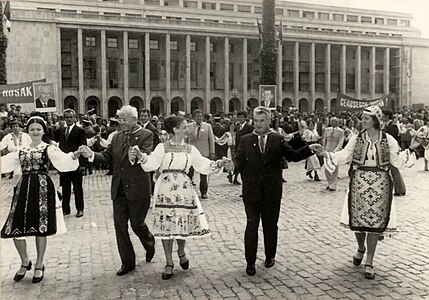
column 269, row 213
column 67, row 179
column 135, row 211
column 203, row 180
column 398, row 181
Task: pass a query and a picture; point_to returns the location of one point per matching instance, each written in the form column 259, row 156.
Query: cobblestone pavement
column 313, row 260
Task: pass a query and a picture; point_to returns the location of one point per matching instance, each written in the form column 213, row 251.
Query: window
column 153, row 17
column 244, row 8
column 405, row 23
column 212, row 48
column 153, row 45
column 308, row 14
column 293, row 13
column 173, row 45
column 112, row 43
column 327, row 29
column 174, row 18
column 133, row 43
column 133, row 77
column 229, row 22
column 113, row 73
column 191, row 4
column 352, row 18
column 227, row 7
column 338, row 17
column 231, row 48
column 258, row 9
column 151, row 2
column 323, row 16
column 312, row 28
column 208, row 5
column 90, row 41
column 392, row 22
column 370, row 32
column 173, row 3
column 279, row 11
column 193, row 46
column 90, row 70
column 154, row 71
column 379, row 21
column 364, row 19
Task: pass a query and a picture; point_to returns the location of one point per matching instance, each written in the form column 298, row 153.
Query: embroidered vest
column 361, row 149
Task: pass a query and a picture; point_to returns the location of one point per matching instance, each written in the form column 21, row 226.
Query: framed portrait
column 268, row 96
column 44, row 97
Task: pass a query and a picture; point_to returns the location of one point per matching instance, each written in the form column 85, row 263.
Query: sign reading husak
column 348, row 103
column 18, row 92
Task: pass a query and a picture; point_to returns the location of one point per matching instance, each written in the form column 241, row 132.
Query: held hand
column 316, row 148
column 86, row 151
column 134, row 154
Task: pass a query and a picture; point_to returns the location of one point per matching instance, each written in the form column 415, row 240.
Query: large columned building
column 171, row 55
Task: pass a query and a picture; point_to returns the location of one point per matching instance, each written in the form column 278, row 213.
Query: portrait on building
column 267, row 96
column 44, row 97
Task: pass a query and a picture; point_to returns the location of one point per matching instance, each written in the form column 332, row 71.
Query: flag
column 6, row 15
column 280, row 33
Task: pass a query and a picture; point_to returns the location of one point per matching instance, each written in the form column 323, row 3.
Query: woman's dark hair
column 377, row 124
column 173, row 122
column 45, row 137
column 310, row 121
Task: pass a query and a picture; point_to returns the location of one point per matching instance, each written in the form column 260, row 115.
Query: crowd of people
column 156, row 157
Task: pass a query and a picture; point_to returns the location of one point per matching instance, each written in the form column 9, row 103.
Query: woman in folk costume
column 228, row 138
column 35, row 208
column 369, row 209
column 312, row 163
column 177, row 211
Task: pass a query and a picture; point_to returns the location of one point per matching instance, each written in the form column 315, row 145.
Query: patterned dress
column 369, row 205
column 35, row 202
column 177, row 211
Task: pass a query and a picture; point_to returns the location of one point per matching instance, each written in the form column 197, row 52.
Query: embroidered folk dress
column 35, row 208
column 177, row 211
column 369, row 205
column 311, row 136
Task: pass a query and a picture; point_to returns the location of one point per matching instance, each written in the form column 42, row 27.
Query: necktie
column 198, row 129
column 67, row 132
column 261, row 144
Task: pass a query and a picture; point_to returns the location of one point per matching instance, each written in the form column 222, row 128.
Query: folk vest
column 361, row 150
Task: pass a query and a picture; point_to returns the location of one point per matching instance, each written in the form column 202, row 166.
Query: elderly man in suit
column 70, row 138
column 130, row 190
column 44, row 99
column 242, row 128
column 333, row 140
column 257, row 158
column 392, row 129
column 200, row 135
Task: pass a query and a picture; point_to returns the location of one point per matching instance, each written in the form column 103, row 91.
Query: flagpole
column 3, row 47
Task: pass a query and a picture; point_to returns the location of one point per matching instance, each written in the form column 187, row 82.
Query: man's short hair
column 69, row 111
column 262, row 110
column 197, row 111
column 145, row 110
column 388, row 113
column 242, row 113
column 128, row 110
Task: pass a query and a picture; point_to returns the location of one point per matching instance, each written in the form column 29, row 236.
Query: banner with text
column 345, row 102
column 18, row 92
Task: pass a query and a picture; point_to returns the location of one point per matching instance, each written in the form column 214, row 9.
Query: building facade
column 171, row 55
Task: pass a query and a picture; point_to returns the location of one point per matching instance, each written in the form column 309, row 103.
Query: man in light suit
column 333, row 141
column 200, row 135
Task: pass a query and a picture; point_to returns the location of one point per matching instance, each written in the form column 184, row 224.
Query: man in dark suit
column 48, row 103
column 44, row 97
column 130, row 189
column 218, row 131
column 70, row 138
column 242, row 129
column 392, row 129
column 257, row 158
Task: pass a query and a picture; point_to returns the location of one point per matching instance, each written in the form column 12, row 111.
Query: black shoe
column 236, row 182
column 150, row 254
column 269, row 262
column 204, row 196
column 166, row 276
column 399, row 194
column 371, row 274
column 66, row 213
column 358, row 261
column 38, row 279
column 18, row 277
column 229, row 178
column 79, row 214
column 184, row 265
column 250, row 269
column 109, row 173
column 124, row 270
column 316, row 177
column 309, row 174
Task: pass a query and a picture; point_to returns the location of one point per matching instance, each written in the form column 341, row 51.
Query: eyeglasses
column 68, row 117
column 123, row 120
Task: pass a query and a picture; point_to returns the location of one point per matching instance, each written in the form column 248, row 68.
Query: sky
column 419, row 8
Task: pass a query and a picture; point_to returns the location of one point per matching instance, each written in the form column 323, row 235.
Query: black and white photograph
column 214, row 149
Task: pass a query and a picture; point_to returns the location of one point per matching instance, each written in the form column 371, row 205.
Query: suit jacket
column 204, row 140
column 264, row 171
column 76, row 138
column 135, row 181
column 218, row 130
column 152, row 128
column 333, row 139
column 393, row 130
column 242, row 132
column 50, row 103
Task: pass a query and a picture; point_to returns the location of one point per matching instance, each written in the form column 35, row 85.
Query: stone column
column 244, row 100
column 126, row 72
column 188, row 74
column 386, row 72
column 167, row 74
column 80, row 70
column 358, row 71
column 226, row 75
column 312, row 76
column 103, row 74
column 147, row 70
column 328, row 76
column 207, row 75
column 372, row 57
column 60, row 100
column 296, row 73
column 343, row 69
column 280, row 74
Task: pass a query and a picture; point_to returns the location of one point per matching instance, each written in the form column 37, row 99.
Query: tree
column 268, row 53
column 3, row 46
